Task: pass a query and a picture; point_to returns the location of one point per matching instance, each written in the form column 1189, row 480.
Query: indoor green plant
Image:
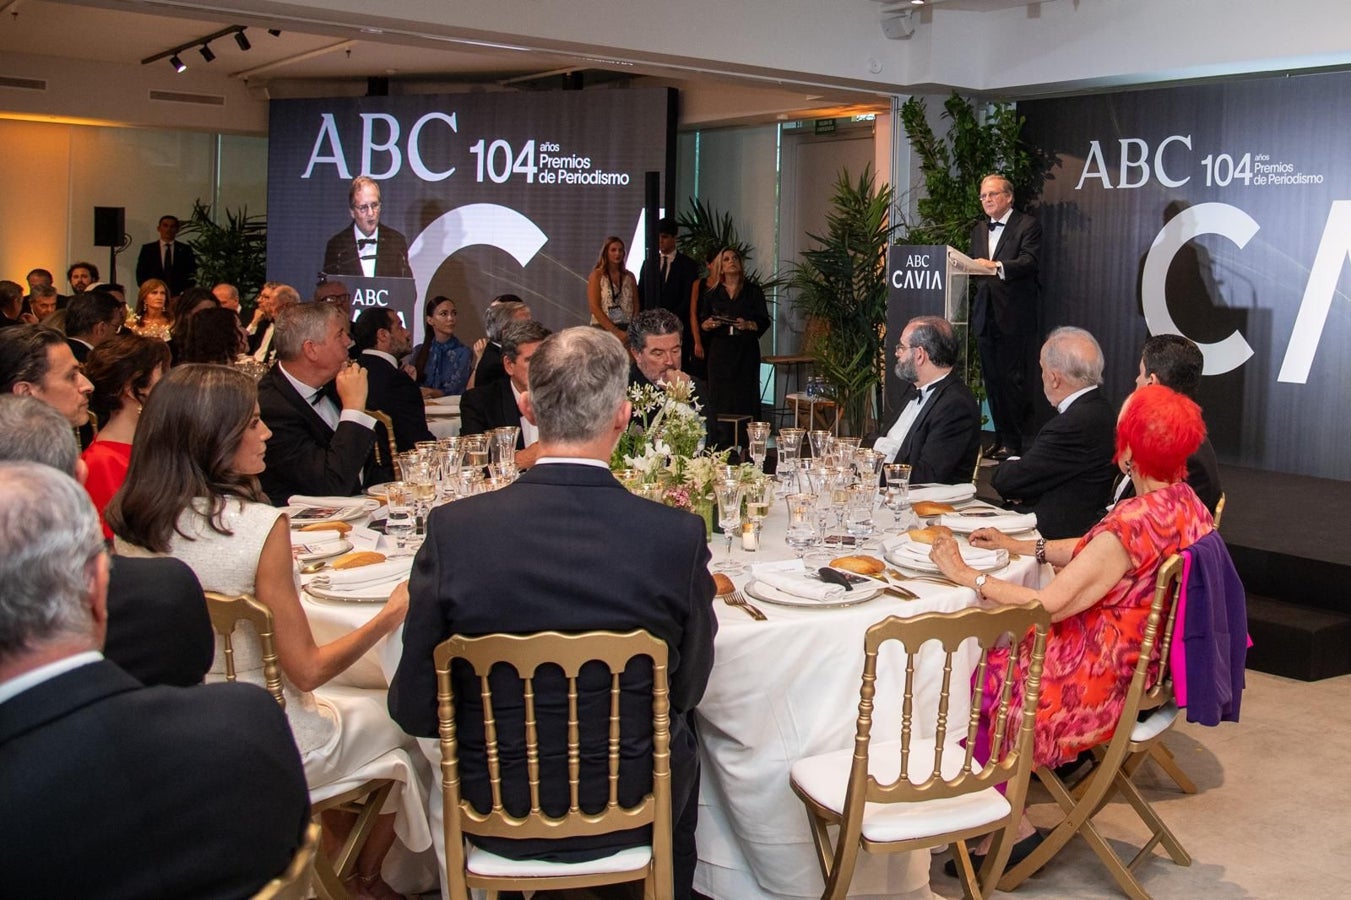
column 234, row 252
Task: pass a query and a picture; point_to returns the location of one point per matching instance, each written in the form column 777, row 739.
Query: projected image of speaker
column 110, row 223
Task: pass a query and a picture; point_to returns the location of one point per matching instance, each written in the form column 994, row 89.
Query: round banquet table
column 780, row 690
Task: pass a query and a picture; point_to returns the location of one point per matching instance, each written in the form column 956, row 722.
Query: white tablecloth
column 788, row 688
column 780, row 690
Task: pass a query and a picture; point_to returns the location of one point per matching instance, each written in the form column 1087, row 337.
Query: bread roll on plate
column 723, row 583
column 339, row 527
column 932, row 508
column 358, row 559
column 861, row 565
column 928, row 535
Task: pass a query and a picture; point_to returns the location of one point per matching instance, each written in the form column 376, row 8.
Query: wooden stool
column 823, row 414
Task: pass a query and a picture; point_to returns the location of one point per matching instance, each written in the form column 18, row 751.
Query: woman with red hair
column 1100, row 598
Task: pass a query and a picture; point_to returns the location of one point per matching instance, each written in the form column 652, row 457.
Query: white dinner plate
column 375, row 593
column 971, row 518
column 761, row 591
column 928, row 567
column 310, row 553
column 309, row 515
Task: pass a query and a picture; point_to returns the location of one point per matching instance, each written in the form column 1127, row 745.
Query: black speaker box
column 110, row 223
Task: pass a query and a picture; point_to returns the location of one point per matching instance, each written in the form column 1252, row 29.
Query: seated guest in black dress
column 112, row 788
column 498, row 404
column 382, row 339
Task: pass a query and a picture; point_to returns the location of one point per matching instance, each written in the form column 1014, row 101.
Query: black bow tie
column 993, row 225
column 365, row 242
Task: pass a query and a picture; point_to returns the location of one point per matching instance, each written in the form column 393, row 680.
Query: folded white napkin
column 1004, row 522
column 390, row 570
column 799, row 585
column 942, row 493
column 306, row 500
column 314, row 539
column 905, row 549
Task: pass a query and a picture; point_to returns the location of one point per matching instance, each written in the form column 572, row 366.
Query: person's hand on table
column 948, row 557
column 352, row 386
column 397, row 605
column 992, row 539
column 430, row 393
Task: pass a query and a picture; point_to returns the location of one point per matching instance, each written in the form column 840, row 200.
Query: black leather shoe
column 1021, row 851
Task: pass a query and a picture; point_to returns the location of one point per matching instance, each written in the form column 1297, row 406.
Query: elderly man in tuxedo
column 168, row 259
column 383, row 340
column 498, row 403
column 314, row 402
column 586, row 555
column 367, row 248
column 934, row 426
column 1066, row 475
column 158, row 630
column 114, row 789
column 1004, row 313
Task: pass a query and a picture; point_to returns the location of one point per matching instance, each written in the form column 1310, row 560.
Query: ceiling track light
column 201, row 45
column 242, row 40
column 207, row 54
column 178, row 64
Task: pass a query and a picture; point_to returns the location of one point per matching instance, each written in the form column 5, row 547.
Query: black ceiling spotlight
column 242, row 40
column 207, row 54
column 178, row 64
column 201, row 44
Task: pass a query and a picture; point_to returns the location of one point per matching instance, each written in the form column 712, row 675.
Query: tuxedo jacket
column 1066, row 476
column 1203, row 474
column 942, row 444
column 391, row 254
column 158, row 628
column 1008, row 305
column 79, row 349
column 673, row 293
column 113, row 789
column 587, row 555
column 490, row 406
column 304, row 455
column 179, row 277
column 391, row 391
column 489, row 368
column 258, row 329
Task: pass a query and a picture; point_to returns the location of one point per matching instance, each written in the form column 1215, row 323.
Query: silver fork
column 736, row 598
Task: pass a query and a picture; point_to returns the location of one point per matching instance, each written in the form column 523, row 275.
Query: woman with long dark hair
column 444, row 363
column 612, row 291
column 192, row 492
column 123, row 369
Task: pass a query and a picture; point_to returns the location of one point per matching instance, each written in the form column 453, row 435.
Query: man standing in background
column 167, row 259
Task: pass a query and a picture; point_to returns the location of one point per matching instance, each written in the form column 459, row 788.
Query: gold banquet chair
column 1117, row 759
column 294, row 883
column 365, row 801
column 926, row 791
column 468, row 866
column 390, row 451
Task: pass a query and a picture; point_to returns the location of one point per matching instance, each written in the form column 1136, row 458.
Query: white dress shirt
column 529, row 431
column 367, row 253
column 890, row 444
column 34, row 677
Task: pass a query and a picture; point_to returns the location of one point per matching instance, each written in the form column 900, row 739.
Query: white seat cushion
column 1157, row 723
column 825, row 779
column 481, row 862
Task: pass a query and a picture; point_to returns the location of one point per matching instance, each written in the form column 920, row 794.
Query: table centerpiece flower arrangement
column 662, row 455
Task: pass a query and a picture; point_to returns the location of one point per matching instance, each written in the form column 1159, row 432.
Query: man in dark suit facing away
column 586, row 555
column 368, row 248
column 383, row 340
column 1004, row 314
column 112, row 788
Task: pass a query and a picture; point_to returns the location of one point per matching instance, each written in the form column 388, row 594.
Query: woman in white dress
column 192, row 493
column 612, row 291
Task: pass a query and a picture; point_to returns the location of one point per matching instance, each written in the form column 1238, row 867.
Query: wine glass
column 859, row 514
column 729, row 494
column 400, row 522
column 801, row 532
column 757, row 503
column 898, row 489
column 818, row 441
column 757, row 436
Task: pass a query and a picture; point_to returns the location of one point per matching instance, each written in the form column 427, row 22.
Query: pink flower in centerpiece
column 677, row 497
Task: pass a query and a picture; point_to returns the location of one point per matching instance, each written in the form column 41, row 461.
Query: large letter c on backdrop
column 1204, row 218
column 475, row 223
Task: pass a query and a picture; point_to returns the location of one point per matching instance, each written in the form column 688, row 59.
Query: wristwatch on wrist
column 980, row 584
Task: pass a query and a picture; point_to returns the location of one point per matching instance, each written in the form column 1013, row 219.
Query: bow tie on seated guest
column 365, row 242
column 993, row 225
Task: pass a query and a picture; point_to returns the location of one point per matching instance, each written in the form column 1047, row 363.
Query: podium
column 928, row 280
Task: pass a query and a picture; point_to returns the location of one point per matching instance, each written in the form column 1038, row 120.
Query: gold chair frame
column 1219, row 510
column 975, row 470
column 526, row 654
column 1118, row 759
column 295, row 882
column 365, row 802
column 1010, row 762
column 390, row 448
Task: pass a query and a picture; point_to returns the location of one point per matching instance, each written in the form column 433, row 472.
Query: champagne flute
column 757, row 503
column 729, row 494
column 757, row 436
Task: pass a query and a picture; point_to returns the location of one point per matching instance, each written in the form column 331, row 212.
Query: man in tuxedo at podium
column 1004, row 314
column 368, row 248
column 167, row 259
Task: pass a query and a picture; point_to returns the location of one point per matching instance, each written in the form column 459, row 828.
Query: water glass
column 400, row 522
column 818, row 441
column 757, row 436
column 898, row 488
column 859, row 513
column 801, row 532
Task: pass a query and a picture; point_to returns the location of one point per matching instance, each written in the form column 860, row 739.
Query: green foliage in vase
column 841, row 284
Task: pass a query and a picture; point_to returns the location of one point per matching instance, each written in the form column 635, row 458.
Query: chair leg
column 327, row 885
column 1160, row 833
column 1163, row 758
column 361, row 829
